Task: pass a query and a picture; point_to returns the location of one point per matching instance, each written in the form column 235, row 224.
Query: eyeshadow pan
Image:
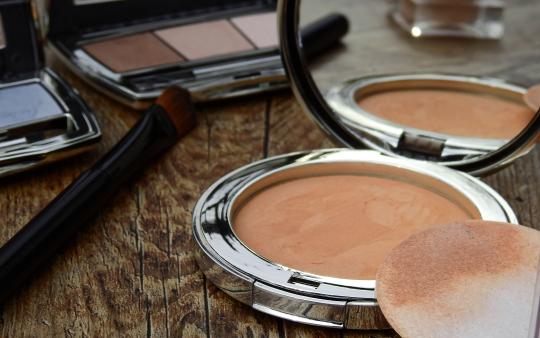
column 18, row 109
column 206, row 39
column 261, row 29
column 132, row 52
column 338, row 225
column 450, row 112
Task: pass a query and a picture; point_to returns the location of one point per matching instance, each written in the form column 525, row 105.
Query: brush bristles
column 179, row 108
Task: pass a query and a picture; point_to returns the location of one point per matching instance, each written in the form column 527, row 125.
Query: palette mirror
column 442, row 81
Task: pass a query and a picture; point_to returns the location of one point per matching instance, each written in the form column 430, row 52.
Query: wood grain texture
column 132, row 273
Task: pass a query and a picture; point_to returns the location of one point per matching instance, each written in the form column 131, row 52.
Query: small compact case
column 42, row 118
column 132, row 50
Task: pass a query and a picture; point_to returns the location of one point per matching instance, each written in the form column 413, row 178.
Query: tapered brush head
column 179, row 108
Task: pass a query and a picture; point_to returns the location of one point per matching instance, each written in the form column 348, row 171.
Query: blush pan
column 132, row 52
column 205, row 39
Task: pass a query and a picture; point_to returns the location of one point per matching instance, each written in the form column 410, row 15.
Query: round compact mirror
column 445, row 81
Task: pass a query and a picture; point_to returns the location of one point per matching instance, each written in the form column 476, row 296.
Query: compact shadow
column 132, row 52
column 452, row 112
column 340, row 226
column 205, row 39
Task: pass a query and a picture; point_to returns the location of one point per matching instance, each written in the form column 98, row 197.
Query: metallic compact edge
column 238, row 77
column 213, row 79
column 82, row 130
column 313, row 102
column 293, row 294
column 388, row 137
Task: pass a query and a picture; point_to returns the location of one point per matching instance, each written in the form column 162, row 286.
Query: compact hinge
column 421, row 144
column 297, row 279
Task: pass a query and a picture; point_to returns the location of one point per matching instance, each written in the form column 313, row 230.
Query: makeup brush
column 170, row 118
column 532, row 97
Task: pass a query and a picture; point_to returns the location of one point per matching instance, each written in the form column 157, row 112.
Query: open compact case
column 262, row 242
column 301, row 236
column 133, row 50
column 42, row 118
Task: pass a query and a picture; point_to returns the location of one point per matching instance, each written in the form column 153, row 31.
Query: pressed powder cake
column 338, row 225
column 452, row 112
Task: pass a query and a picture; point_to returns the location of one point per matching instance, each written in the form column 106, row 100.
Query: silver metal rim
column 384, row 136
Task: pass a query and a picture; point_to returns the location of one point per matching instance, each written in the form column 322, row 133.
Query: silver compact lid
column 339, row 115
column 296, row 295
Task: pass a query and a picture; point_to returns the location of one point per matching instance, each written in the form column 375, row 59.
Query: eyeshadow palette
column 42, row 119
column 186, row 43
column 132, row 50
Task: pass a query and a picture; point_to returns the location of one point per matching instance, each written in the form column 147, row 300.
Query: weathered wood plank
column 236, row 134
column 132, row 273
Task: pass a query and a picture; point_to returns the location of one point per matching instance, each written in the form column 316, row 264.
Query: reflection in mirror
column 439, row 80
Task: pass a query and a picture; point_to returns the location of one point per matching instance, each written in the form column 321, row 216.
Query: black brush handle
column 47, row 232
column 323, row 33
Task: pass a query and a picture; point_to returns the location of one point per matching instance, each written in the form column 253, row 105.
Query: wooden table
column 131, row 272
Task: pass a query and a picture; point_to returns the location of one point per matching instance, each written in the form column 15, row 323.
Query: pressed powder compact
column 215, row 49
column 451, row 18
column 303, row 236
column 42, row 119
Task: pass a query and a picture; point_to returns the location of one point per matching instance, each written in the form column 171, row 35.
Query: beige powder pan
column 450, row 111
column 339, row 226
column 190, row 42
column 301, row 236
